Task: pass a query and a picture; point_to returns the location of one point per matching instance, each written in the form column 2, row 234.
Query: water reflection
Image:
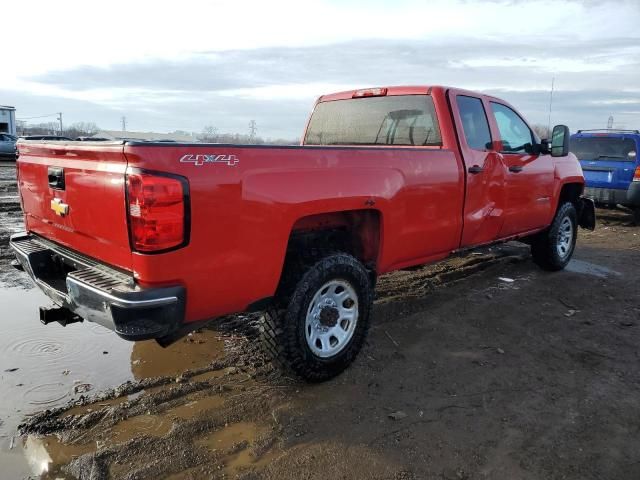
column 42, row 365
column 148, row 359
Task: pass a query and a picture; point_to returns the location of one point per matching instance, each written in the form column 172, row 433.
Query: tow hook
column 62, row 315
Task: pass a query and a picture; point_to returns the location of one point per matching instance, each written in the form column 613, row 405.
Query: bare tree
column 209, row 134
column 81, row 129
column 541, row 130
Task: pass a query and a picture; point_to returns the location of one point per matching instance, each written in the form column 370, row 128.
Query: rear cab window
column 604, row 148
column 474, row 122
column 404, row 120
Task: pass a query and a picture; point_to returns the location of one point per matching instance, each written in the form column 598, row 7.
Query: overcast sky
column 187, row 64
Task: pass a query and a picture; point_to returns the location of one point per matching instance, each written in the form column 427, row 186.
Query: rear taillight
column 157, row 207
column 636, row 175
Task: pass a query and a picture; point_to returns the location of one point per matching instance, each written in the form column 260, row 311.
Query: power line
column 40, row 116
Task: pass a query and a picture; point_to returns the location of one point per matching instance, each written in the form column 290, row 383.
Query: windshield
column 592, row 148
column 393, row 120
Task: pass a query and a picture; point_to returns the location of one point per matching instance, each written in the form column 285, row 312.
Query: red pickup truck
column 152, row 239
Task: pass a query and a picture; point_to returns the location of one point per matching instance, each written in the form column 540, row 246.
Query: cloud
column 225, row 73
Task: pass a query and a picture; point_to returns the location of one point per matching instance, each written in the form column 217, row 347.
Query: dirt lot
column 481, row 367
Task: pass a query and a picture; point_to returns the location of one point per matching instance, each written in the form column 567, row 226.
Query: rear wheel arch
column 355, row 232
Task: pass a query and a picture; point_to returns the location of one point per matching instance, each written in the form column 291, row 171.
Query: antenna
column 553, row 79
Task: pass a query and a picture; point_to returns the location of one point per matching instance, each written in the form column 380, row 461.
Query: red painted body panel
column 242, row 215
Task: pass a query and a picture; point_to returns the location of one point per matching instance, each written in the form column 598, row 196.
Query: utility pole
column 60, row 120
column 550, row 104
column 253, row 129
column 124, row 124
column 610, row 122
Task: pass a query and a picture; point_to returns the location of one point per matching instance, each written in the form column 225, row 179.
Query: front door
column 485, row 195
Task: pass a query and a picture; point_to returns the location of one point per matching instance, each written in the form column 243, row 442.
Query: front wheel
column 553, row 248
column 323, row 327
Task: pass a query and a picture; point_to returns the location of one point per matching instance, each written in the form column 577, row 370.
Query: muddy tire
column 323, row 325
column 553, row 248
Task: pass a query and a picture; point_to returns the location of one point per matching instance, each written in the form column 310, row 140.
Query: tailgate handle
column 56, row 177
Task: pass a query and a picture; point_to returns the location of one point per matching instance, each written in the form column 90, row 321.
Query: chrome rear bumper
column 98, row 293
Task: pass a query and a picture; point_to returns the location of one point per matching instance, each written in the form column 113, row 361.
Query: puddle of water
column 195, row 407
column 580, row 266
column 150, row 425
column 45, row 455
column 229, row 437
column 41, row 354
column 148, row 359
column 244, row 459
column 50, row 359
column 157, row 425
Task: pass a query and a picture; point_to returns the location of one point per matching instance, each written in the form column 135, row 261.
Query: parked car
column 7, row 147
column 153, row 239
column 611, row 166
column 46, row 137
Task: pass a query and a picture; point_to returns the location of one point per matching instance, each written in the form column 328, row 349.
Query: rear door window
column 474, row 122
column 604, row 148
column 408, row 120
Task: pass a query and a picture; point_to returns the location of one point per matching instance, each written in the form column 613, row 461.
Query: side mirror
column 560, row 141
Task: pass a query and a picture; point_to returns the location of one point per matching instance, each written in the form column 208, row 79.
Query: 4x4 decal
column 199, row 159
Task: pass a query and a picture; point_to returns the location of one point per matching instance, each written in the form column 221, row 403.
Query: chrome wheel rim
column 331, row 318
column 565, row 238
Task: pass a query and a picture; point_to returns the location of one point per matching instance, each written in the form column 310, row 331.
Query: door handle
column 515, row 168
column 475, row 169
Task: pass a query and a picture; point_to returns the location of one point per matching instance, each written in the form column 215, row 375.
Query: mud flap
column 586, row 213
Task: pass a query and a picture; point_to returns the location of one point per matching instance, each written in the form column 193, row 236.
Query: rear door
column 74, row 195
column 484, row 196
column 528, row 176
column 608, row 160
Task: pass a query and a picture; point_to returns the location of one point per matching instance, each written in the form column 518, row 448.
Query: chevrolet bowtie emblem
column 60, row 208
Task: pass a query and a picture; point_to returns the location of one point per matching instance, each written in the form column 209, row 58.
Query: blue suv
column 611, row 166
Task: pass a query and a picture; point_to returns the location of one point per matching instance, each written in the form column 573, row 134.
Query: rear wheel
column 636, row 215
column 322, row 327
column 553, row 248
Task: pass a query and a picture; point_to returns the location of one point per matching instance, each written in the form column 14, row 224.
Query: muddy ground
column 480, row 367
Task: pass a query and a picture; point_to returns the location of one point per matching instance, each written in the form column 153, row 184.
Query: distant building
column 150, row 136
column 7, row 120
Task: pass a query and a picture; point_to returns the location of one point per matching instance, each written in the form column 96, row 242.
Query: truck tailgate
column 74, row 194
